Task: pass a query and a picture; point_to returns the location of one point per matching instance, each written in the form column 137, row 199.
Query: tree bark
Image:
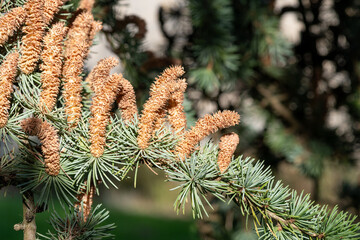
column 28, row 224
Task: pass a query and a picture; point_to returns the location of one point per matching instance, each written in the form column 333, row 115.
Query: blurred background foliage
column 299, row 95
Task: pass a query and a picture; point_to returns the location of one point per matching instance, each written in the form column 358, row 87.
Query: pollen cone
column 7, row 76
column 52, row 65
column 227, row 145
column 176, row 112
column 100, row 111
column 76, row 49
column 160, row 92
column 126, row 101
column 10, row 22
column 203, row 127
column 51, row 7
column 100, row 73
column 34, row 31
column 49, row 140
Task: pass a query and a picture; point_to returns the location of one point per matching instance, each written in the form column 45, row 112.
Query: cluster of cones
column 166, row 93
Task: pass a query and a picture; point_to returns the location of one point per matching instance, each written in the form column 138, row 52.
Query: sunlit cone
column 100, row 111
column 76, row 49
column 158, row 100
column 34, row 31
column 52, row 65
column 227, row 146
column 76, row 44
column 173, row 110
column 7, row 75
column 203, row 127
column 176, row 112
column 10, row 22
column 169, row 74
column 51, row 7
column 100, row 73
column 126, row 101
column 49, row 140
column 155, row 107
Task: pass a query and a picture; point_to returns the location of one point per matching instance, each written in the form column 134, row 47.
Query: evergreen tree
column 65, row 132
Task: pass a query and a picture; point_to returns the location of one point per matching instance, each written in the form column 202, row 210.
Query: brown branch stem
column 28, row 224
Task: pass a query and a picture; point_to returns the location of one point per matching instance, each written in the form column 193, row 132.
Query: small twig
column 28, row 224
column 150, row 168
column 288, row 223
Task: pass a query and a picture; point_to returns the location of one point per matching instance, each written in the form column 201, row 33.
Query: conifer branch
column 104, row 147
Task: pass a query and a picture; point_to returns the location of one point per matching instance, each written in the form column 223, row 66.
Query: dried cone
column 86, row 5
column 31, row 126
column 7, row 76
column 76, row 49
column 10, row 22
column 49, row 140
column 52, row 65
column 227, row 145
column 126, row 101
column 85, row 201
column 100, row 73
column 169, row 74
column 51, row 7
column 160, row 93
column 176, row 116
column 175, row 109
column 203, row 127
column 100, row 110
column 34, row 31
